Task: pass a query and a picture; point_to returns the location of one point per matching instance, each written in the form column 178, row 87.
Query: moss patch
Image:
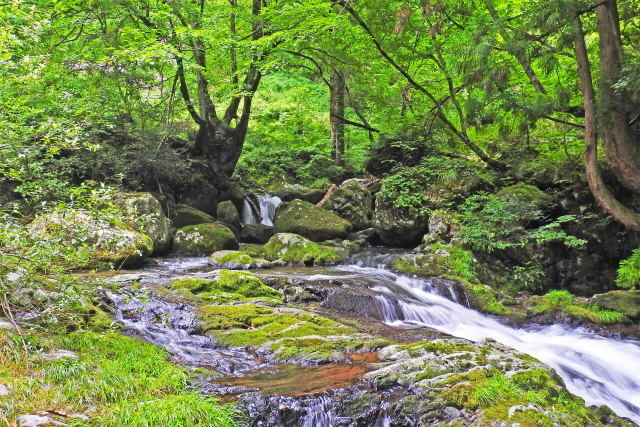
column 310, row 221
column 562, row 301
column 290, row 247
column 232, row 285
column 203, row 239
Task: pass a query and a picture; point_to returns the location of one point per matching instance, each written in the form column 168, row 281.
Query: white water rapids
column 267, row 206
column 603, row 371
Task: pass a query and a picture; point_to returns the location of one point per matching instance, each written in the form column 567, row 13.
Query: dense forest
column 319, row 213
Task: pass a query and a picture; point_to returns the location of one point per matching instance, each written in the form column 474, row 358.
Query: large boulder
column 256, row 233
column 290, row 247
column 183, row 215
column 115, row 245
column 291, row 192
column 204, row 239
column 228, row 214
column 526, row 194
column 155, row 224
column 398, row 226
column 203, row 197
column 627, row 302
column 310, row 221
column 352, row 201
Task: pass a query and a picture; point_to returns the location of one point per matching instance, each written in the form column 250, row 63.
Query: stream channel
column 603, row 371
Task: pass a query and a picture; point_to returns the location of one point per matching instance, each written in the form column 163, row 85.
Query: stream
column 603, row 371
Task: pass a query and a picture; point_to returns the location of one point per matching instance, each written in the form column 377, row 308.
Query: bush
column 629, row 271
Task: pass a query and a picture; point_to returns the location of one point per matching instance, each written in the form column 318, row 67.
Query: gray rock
column 451, row 412
column 6, row 325
column 31, row 420
column 291, row 192
column 183, row 215
column 352, row 201
column 256, row 233
column 156, row 225
column 397, row 226
column 228, row 213
column 4, row 390
column 362, row 237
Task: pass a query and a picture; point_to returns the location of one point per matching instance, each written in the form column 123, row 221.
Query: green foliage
column 405, row 190
column 554, row 232
column 629, row 271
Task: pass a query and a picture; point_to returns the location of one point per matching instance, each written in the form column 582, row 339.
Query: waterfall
column 265, row 204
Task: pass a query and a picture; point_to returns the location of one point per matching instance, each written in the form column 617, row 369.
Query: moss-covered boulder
column 296, row 191
column 183, row 215
column 293, row 248
column 311, row 221
column 528, row 194
column 154, row 222
column 228, row 214
column 627, row 302
column 203, row 239
column 398, row 226
column 226, row 283
column 352, row 201
column 238, row 260
column 116, row 245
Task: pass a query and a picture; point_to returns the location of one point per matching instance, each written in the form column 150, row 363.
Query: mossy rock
column 155, row 224
column 627, row 302
column 289, row 192
column 235, row 260
column 204, row 239
column 398, row 226
column 234, row 283
column 525, row 193
column 227, row 213
column 352, row 201
column 293, row 248
column 107, row 245
column 183, row 215
column 310, row 221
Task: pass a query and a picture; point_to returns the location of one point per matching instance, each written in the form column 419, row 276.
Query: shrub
column 629, row 271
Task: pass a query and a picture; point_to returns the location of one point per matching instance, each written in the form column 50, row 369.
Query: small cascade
column 320, row 412
column 260, row 209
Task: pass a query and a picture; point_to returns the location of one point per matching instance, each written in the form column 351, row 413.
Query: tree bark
column 336, row 111
column 599, row 189
column 621, row 142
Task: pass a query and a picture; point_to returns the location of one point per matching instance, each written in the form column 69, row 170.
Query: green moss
column 563, row 301
column 437, row 347
column 254, row 325
column 238, row 284
column 297, row 249
column 204, row 239
column 238, row 258
column 525, row 193
column 310, row 221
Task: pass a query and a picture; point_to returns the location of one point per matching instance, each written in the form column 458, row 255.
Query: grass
column 562, row 300
column 116, row 381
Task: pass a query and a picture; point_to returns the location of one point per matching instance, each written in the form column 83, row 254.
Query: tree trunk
column 621, row 142
column 599, row 189
column 221, row 146
column 336, row 113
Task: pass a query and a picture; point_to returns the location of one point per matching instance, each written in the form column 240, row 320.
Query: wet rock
column 156, row 225
column 204, row 239
column 228, row 214
column 116, row 245
column 291, row 192
column 294, row 248
column 310, row 221
column 352, row 201
column 363, row 237
column 183, row 215
column 256, row 233
column 451, row 412
column 441, row 224
column 397, row 226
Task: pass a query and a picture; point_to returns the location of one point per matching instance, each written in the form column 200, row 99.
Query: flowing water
column 603, row 371
column 267, row 208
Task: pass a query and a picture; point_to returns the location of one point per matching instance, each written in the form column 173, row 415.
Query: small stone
column 30, row 420
column 451, row 412
column 4, row 390
column 60, row 354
